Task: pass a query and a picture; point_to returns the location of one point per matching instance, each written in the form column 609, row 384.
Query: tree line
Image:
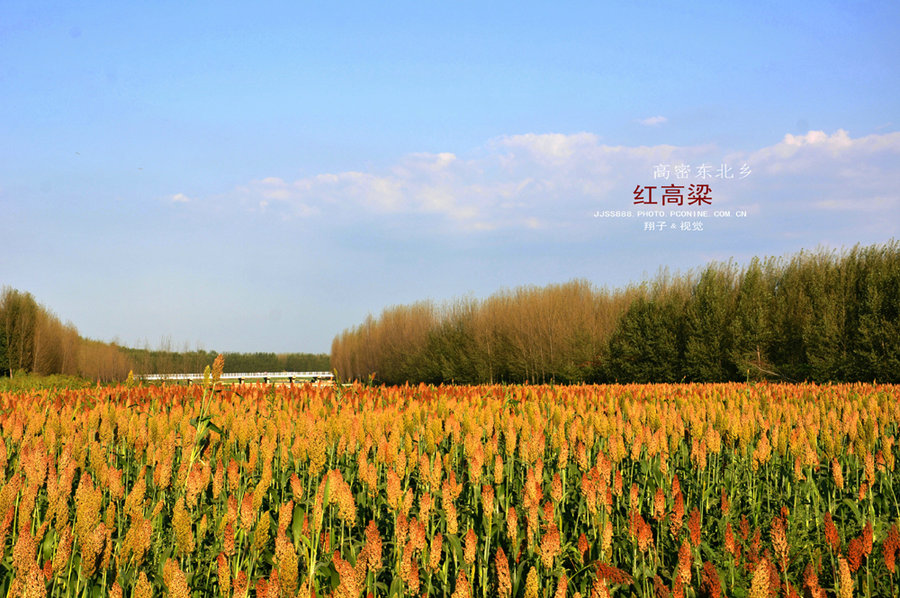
column 816, row 315
column 34, row 340
column 149, row 361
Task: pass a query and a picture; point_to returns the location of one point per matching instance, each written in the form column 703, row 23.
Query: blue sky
column 260, row 177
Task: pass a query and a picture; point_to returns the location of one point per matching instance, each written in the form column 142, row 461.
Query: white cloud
column 797, row 153
column 549, row 180
column 180, row 198
column 829, row 185
column 653, row 121
column 551, row 147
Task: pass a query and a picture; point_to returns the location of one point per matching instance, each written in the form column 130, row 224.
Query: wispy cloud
column 653, row 121
column 180, row 198
column 822, row 153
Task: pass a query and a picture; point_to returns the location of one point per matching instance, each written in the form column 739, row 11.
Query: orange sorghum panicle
column 63, row 551
column 512, row 525
column 645, row 535
column 373, row 547
column 854, row 554
column 407, row 564
column 412, row 574
column 837, row 474
column 228, row 540
column 107, row 549
column 845, row 579
column 547, row 513
column 182, row 529
column 583, row 545
column 452, row 523
column 87, row 506
column 218, row 366
column 157, row 508
column 241, row 584
column 463, row 589
column 434, row 556
column 487, row 501
column 296, row 487
column 606, row 539
column 269, row 588
column 142, row 589
column 509, row 436
column 247, row 514
column 711, row 582
column 394, row 492
column 531, row 523
column 550, row 547
column 175, row 580
column 470, row 547
column 599, row 589
column 779, row 541
column 659, row 504
column 114, row 479
column 867, row 539
column 811, row 581
column 730, row 544
column 224, row 581
column 110, row 517
column 759, row 585
column 418, row 534
column 694, row 527
column 24, row 553
column 162, row 474
column 633, row 495
column 285, row 515
column 134, row 502
column 287, row 562
column 890, row 546
column 831, row 533
column 504, row 583
column 425, row 503
column 346, row 503
column 197, row 481
column 234, row 476
column 533, row 493
column 401, row 529
column 562, row 586
column 261, row 533
column 531, row 584
column 91, row 548
column 684, row 562
column 589, row 493
column 556, row 492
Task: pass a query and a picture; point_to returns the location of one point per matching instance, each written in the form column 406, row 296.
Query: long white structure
column 241, row 376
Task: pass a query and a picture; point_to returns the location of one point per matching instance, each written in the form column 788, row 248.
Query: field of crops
column 645, row 490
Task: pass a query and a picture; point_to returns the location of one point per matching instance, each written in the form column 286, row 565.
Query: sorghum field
column 640, row 490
